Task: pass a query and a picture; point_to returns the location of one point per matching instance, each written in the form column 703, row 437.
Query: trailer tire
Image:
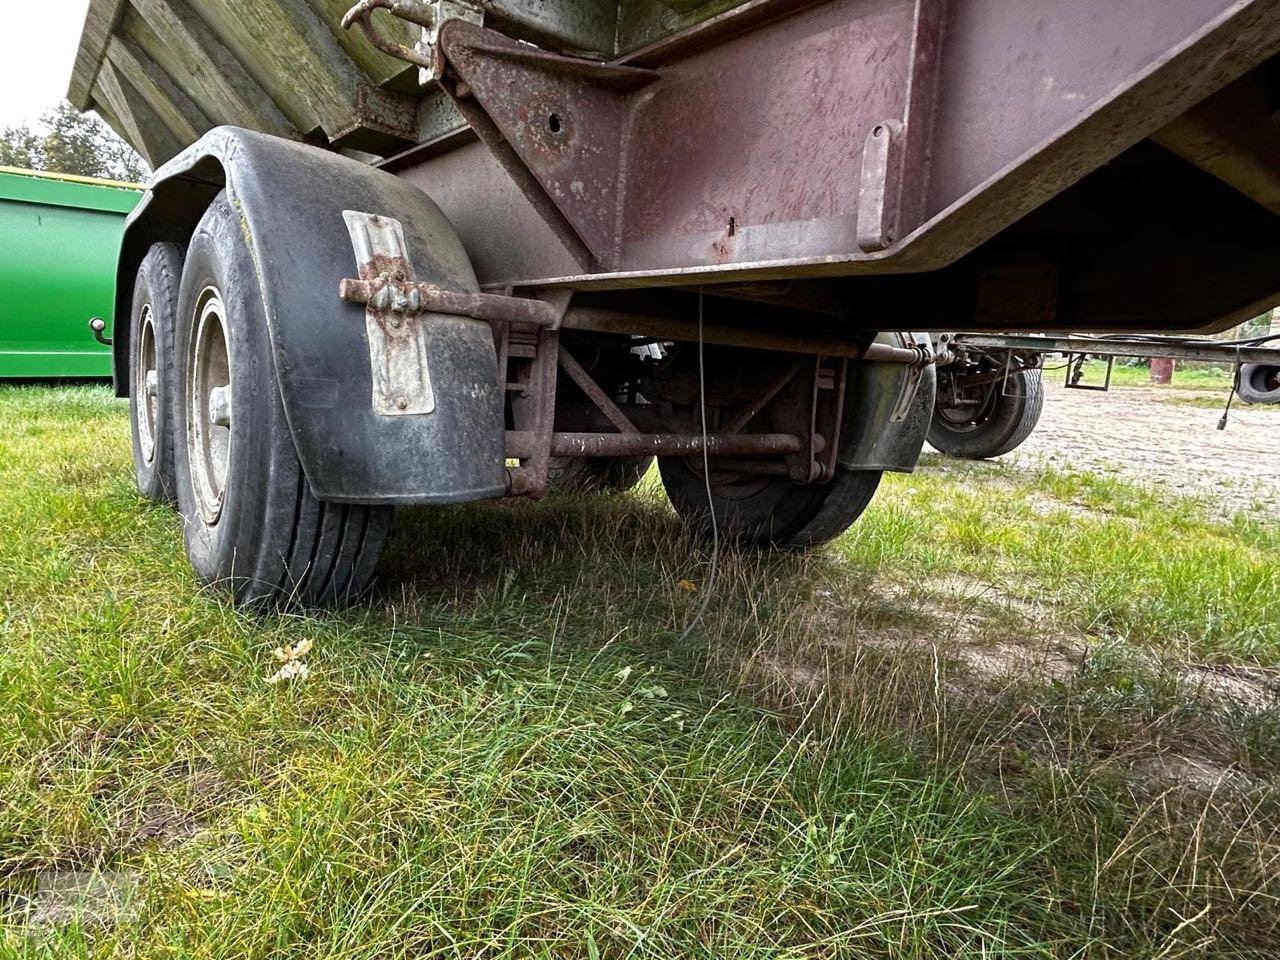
column 768, row 512
column 251, row 522
column 599, row 474
column 152, row 371
column 1259, row 383
column 1003, row 424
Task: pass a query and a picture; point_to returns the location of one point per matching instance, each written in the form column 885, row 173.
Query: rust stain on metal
column 722, row 248
column 398, row 359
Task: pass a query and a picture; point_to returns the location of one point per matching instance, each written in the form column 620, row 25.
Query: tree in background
column 68, row 141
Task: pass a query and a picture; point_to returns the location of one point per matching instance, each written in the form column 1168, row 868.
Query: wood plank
column 144, row 130
column 99, row 20
column 293, row 55
column 381, row 69
column 115, row 109
column 105, row 114
column 587, row 27
column 185, row 48
column 171, row 104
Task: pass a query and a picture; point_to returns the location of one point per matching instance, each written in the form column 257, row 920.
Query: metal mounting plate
column 397, row 345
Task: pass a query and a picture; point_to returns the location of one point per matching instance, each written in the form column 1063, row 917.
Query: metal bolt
column 396, row 323
column 402, row 403
column 152, row 383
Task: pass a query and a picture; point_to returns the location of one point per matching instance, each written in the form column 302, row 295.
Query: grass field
column 1196, row 376
column 1013, row 713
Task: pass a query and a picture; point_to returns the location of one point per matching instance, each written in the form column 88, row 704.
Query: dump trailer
column 429, row 251
column 59, row 242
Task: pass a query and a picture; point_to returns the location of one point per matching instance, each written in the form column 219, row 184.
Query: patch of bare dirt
column 1137, row 434
column 1253, row 687
column 92, row 898
column 1198, row 773
column 971, row 641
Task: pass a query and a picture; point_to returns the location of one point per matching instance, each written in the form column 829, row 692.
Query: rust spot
column 394, row 268
column 546, row 127
column 722, row 248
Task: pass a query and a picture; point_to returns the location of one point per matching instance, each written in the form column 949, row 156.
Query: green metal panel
column 59, row 240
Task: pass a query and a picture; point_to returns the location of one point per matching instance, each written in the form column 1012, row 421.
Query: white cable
column 709, row 589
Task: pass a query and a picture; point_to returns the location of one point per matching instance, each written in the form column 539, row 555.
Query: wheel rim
column 209, row 406
column 964, row 419
column 146, row 386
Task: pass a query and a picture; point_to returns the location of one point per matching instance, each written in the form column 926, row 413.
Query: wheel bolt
column 152, row 383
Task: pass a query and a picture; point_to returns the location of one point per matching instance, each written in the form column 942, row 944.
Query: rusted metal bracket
column 395, row 305
column 414, row 11
column 397, row 348
column 877, row 193
column 826, row 418
column 555, row 123
column 533, row 409
column 430, row 15
column 410, row 297
column 915, row 376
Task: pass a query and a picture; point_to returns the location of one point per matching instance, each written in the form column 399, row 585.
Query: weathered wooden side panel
column 287, row 67
column 163, row 72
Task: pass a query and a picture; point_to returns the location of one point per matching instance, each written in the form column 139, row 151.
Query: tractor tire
column 152, row 371
column 1003, row 422
column 252, row 524
column 599, row 474
column 767, row 512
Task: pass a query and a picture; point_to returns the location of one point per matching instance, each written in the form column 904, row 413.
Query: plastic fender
column 290, row 198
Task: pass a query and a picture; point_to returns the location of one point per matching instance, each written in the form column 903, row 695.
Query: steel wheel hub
column 209, row 406
column 146, row 381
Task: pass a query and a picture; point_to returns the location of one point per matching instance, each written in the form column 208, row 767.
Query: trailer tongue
column 678, row 227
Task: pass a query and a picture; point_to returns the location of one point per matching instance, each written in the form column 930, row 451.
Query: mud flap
column 291, row 200
column 888, row 411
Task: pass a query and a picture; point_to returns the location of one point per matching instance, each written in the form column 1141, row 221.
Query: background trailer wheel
column 1259, row 383
column 989, row 418
column 152, row 387
column 251, row 521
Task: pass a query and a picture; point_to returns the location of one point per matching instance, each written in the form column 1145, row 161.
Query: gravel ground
column 1138, row 433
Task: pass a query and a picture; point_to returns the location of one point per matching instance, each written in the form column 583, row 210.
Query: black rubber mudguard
column 290, row 198
column 888, row 411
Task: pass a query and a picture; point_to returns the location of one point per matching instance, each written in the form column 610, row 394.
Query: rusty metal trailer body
column 735, row 142
column 754, row 189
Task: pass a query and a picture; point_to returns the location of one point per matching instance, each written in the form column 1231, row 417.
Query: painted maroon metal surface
column 743, row 158
column 767, row 130
column 1015, row 78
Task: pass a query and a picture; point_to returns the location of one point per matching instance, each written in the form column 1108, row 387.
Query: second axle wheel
column 768, row 511
column 251, row 521
column 997, row 418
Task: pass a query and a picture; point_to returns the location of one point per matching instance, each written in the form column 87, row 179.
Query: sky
column 37, row 48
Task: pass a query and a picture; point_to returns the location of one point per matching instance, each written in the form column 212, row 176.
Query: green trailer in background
column 59, row 241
